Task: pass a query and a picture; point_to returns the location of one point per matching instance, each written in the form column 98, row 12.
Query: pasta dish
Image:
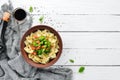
column 41, row 46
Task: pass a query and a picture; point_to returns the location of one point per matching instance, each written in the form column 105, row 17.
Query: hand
column 6, row 16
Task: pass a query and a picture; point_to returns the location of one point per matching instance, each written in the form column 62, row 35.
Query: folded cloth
column 14, row 67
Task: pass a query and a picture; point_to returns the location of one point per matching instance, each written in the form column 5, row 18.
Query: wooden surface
column 90, row 30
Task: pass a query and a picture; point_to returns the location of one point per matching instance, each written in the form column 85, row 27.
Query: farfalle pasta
column 41, row 46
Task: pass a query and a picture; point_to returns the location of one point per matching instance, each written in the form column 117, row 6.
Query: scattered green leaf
column 81, row 69
column 41, row 19
column 31, row 9
column 71, row 60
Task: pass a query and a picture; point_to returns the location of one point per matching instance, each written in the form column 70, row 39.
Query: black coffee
column 20, row 14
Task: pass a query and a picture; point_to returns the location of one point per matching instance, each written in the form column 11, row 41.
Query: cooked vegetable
column 43, row 43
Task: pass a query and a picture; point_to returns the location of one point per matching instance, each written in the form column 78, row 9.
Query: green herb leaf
column 81, row 69
column 31, row 9
column 71, row 60
column 41, row 19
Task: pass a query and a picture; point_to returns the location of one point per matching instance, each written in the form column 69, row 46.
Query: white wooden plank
column 96, row 73
column 90, row 57
column 90, row 40
column 72, row 7
column 80, row 22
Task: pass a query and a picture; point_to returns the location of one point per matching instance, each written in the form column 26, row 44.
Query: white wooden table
column 90, row 30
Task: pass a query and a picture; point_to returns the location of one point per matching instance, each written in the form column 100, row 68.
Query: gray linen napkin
column 14, row 67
